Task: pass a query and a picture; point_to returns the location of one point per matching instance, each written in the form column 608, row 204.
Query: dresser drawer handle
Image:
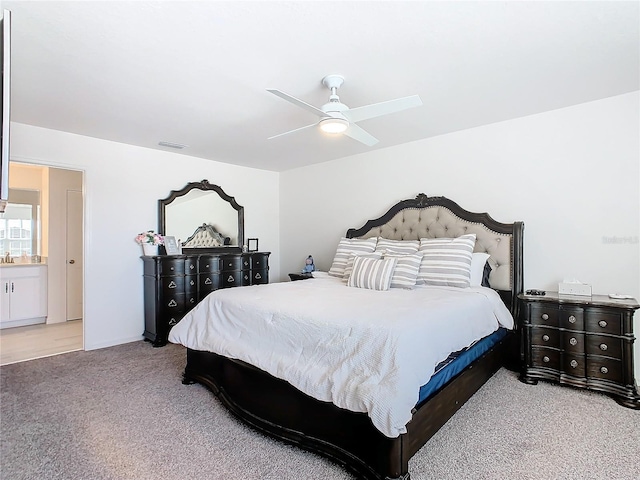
column 602, row 323
column 545, row 338
column 572, row 319
column 231, row 279
column 603, row 346
column 546, row 359
column 573, row 364
column 604, row 370
column 258, row 276
column 172, row 322
column 545, row 316
column 191, row 267
column 573, row 341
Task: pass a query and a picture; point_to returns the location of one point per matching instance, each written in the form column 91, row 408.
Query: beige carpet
column 121, row 413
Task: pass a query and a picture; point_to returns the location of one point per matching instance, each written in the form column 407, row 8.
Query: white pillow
column 477, row 268
column 406, row 272
column 397, row 247
column 446, row 261
column 348, row 247
column 371, row 273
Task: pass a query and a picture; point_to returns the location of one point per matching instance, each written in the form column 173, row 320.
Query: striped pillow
column 406, row 272
column 371, row 273
column 446, row 261
column 397, row 247
column 349, row 268
column 348, row 247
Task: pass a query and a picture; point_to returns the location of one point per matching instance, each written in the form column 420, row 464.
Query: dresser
column 174, row 284
column 585, row 342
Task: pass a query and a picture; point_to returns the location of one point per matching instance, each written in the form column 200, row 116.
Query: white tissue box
column 574, row 289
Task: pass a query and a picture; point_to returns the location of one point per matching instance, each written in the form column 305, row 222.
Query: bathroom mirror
column 202, row 209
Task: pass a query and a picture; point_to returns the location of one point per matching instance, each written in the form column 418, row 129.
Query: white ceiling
column 196, row 73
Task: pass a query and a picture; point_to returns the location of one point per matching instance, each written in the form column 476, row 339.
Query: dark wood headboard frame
column 514, row 230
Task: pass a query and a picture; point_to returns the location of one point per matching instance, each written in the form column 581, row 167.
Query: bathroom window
column 19, row 224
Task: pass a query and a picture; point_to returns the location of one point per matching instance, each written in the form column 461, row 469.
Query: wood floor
column 34, row 341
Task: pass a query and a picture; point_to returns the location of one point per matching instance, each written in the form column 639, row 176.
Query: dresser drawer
column 601, row 321
column 259, row 261
column 545, row 357
column 207, row 263
column 259, row 277
column 191, row 265
column 544, row 314
column 233, row 279
column 171, row 266
column 191, row 284
column 231, row 262
column 604, row 368
column 604, row 345
column 207, row 282
column 246, row 262
column 571, row 318
column 171, row 286
column 545, row 337
column 172, row 305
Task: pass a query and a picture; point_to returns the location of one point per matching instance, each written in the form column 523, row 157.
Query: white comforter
column 363, row 350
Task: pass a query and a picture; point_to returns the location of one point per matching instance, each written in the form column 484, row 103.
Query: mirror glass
column 198, row 204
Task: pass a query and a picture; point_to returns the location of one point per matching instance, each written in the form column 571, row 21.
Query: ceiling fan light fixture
column 334, row 125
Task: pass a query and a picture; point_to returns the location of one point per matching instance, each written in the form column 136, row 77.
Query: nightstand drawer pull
column 546, row 359
column 572, row 319
column 545, row 316
column 602, row 323
column 573, row 341
column 603, row 346
column 545, row 338
column 573, row 364
column 604, row 370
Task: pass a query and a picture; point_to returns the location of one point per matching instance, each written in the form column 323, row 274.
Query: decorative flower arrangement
column 149, row 237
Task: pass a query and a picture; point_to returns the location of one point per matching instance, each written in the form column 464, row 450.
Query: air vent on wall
column 177, row 146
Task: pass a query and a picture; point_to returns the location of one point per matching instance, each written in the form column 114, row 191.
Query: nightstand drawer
column 604, row 368
column 545, row 357
column 571, row 318
column 575, row 365
column 543, row 314
column 599, row 321
column 573, row 341
column 605, row 346
column 545, row 337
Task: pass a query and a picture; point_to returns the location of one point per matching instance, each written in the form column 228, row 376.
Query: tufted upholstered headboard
column 206, row 236
column 437, row 217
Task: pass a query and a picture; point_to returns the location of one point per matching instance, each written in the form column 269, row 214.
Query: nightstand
column 586, row 342
column 300, row 276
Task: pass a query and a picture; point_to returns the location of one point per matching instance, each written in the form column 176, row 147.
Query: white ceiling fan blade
column 300, row 103
column 383, row 108
column 291, row 131
column 361, row 135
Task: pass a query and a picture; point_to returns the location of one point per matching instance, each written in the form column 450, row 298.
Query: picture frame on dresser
column 252, row 244
column 171, row 245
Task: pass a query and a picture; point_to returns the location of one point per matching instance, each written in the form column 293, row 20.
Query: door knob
column 72, row 262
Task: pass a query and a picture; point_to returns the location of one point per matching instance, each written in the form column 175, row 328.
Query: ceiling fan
column 336, row 117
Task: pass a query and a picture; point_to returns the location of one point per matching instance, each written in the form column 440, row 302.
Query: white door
column 74, row 255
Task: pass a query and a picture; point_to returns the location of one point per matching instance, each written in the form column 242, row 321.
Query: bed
column 354, row 433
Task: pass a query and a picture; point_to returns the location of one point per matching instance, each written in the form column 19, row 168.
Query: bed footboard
column 274, row 407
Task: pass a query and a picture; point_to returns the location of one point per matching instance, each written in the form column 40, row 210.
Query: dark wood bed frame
column 275, row 407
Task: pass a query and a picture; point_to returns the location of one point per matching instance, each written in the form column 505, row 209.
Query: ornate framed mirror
column 203, row 218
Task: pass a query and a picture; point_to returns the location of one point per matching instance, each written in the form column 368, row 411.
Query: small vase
column 150, row 249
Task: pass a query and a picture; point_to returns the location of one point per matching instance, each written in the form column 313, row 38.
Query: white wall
column 572, row 175
column 122, row 186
